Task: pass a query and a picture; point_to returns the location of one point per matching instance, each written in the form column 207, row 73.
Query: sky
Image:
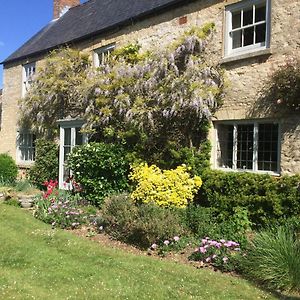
column 19, row 21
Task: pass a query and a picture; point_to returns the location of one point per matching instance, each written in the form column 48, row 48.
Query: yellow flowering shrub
column 166, row 188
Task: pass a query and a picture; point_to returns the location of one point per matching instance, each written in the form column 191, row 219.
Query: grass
column 37, row 262
column 274, row 258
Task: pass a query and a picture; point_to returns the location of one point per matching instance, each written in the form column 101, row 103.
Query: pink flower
column 153, row 246
column 213, row 243
column 166, row 242
column 202, row 250
column 208, row 259
column 204, row 241
column 222, row 241
column 176, row 238
column 218, row 245
column 225, row 259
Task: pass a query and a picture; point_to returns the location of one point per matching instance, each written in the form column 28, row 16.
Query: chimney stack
column 61, row 6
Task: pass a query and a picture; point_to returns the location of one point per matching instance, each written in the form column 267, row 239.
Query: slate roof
column 94, row 17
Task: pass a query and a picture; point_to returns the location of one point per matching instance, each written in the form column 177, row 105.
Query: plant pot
column 26, row 200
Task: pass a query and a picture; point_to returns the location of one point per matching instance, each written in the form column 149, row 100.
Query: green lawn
column 37, row 262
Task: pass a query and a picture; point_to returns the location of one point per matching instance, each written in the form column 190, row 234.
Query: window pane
column 248, row 17
column 225, row 146
column 245, row 147
column 268, row 147
column 237, row 39
column 260, row 33
column 260, row 13
column 236, row 20
column 248, row 36
column 67, row 150
column 26, row 146
column 67, row 137
column 79, row 138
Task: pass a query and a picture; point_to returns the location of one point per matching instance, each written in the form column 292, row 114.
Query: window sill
column 275, row 174
column 25, row 165
column 243, row 56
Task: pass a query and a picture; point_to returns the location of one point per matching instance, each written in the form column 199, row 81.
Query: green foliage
column 101, row 169
column 141, row 225
column 46, row 163
column 166, row 188
column 13, row 202
column 267, row 199
column 284, row 85
column 130, row 53
column 206, row 222
column 273, row 257
column 56, row 91
column 8, row 169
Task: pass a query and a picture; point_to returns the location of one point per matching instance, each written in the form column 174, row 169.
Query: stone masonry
column 245, row 74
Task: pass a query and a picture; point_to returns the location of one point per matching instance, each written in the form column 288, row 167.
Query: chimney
column 62, row 6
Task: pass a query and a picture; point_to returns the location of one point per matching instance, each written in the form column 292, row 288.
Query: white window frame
column 255, row 146
column 102, row 54
column 28, row 146
column 73, row 125
column 229, row 51
column 28, row 72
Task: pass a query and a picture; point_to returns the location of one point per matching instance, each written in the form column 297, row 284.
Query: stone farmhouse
column 253, row 38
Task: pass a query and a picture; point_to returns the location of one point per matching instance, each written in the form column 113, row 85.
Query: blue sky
column 19, row 21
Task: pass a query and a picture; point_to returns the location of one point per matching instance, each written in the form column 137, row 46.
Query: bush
column 46, row 163
column 141, row 225
column 273, row 258
column 267, row 199
column 8, row 169
column 101, row 169
column 205, row 222
column 167, row 188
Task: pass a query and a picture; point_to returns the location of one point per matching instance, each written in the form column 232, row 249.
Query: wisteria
column 169, row 90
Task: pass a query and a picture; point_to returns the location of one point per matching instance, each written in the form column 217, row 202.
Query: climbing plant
column 156, row 103
column 283, row 87
column 159, row 101
column 56, row 91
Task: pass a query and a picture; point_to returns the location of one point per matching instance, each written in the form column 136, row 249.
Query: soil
column 105, row 240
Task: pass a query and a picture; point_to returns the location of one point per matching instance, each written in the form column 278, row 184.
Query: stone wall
column 245, row 76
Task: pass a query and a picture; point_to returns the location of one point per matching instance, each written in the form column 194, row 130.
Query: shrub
column 273, row 258
column 141, row 225
column 266, row 198
column 204, row 221
column 167, row 188
column 101, row 169
column 46, row 163
column 8, row 169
